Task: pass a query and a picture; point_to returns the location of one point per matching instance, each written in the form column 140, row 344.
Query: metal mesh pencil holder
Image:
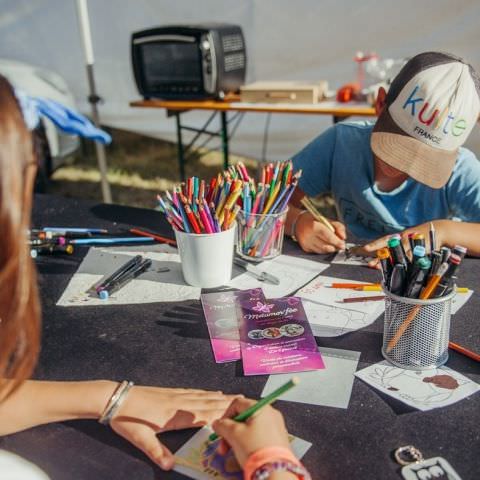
column 416, row 332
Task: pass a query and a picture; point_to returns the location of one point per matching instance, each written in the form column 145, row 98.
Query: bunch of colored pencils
column 197, row 207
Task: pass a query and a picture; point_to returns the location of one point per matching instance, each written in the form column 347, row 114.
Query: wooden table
column 232, row 103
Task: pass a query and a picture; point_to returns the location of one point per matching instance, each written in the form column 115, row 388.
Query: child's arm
column 448, row 233
column 145, row 412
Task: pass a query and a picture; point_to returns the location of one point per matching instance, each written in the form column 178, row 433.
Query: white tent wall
column 301, row 40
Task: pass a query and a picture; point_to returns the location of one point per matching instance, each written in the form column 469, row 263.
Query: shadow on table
column 106, row 436
column 187, row 320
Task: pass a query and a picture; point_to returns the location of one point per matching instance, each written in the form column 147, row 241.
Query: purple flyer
column 221, row 315
column 275, row 337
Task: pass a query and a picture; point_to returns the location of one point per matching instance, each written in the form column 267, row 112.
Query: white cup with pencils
column 206, row 257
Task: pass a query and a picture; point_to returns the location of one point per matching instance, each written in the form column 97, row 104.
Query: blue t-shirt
column 340, row 161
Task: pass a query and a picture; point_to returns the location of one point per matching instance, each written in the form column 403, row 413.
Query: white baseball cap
column 431, row 107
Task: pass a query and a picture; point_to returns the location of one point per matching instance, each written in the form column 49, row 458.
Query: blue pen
column 186, row 225
column 112, row 240
column 74, row 229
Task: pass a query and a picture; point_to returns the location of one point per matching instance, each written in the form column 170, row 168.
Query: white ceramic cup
column 206, row 257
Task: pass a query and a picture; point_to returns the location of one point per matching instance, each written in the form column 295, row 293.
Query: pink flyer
column 275, row 337
column 221, row 315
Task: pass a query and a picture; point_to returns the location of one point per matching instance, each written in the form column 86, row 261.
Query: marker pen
column 446, row 252
column 385, row 261
column 418, row 278
column 397, row 279
column 410, row 240
column 436, row 262
column 418, row 252
column 447, row 282
column 396, row 252
column 460, row 251
column 419, row 239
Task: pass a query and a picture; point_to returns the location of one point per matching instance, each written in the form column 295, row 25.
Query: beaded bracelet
column 115, row 402
column 265, row 471
column 266, row 456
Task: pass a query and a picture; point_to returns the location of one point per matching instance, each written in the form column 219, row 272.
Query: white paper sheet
column 341, row 258
column 147, row 288
column 459, row 300
column 198, row 459
column 331, row 386
column 424, row 390
column 293, row 272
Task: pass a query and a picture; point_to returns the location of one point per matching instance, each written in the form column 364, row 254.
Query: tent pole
column 93, row 98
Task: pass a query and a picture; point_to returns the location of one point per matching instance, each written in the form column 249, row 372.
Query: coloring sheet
column 318, row 291
column 199, row 459
column 341, row 257
column 459, row 300
column 292, row 272
column 425, row 390
column 331, row 387
column 151, row 286
column 329, row 321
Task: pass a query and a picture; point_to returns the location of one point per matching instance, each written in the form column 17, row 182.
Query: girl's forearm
column 37, row 402
column 460, row 233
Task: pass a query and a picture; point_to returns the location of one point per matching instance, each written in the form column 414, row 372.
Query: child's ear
column 380, row 101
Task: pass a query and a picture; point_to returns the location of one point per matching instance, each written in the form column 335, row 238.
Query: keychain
column 415, row 467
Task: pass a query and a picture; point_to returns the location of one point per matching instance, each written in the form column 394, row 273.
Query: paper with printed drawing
column 151, row 286
column 293, row 272
column 318, row 291
column 328, row 321
column 425, row 390
column 342, row 258
column 199, row 459
column 331, row 387
column 459, row 300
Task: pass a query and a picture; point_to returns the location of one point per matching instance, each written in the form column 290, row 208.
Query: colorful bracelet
column 265, row 471
column 115, row 402
column 266, row 456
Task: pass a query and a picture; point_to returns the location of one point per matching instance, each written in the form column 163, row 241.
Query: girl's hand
column 148, row 411
column 266, row 428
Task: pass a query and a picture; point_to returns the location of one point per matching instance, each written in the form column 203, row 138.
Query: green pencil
column 242, row 416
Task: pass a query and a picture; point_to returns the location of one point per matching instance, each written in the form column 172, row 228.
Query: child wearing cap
column 403, row 171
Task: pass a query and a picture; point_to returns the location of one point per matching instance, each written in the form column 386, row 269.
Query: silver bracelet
column 294, row 225
column 115, row 402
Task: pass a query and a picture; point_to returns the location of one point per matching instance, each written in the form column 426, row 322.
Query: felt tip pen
column 445, row 285
column 445, row 252
column 246, row 414
column 397, row 279
column 74, row 230
column 122, row 270
column 111, row 241
column 460, row 251
column 418, row 277
column 396, row 252
column 418, row 252
column 419, row 239
column 124, row 279
column 385, row 262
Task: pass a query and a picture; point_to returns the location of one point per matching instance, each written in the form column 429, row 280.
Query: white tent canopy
column 302, row 40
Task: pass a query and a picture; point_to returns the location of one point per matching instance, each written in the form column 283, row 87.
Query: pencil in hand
column 316, row 214
column 246, row 414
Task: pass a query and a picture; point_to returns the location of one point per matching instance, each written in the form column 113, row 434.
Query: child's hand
column 266, row 428
column 315, row 237
column 424, row 228
column 148, row 411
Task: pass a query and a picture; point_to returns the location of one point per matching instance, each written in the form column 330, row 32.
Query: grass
column 139, row 168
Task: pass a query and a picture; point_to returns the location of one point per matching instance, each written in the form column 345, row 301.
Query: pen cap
column 423, row 263
column 383, row 253
column 396, row 251
column 460, row 251
column 419, row 251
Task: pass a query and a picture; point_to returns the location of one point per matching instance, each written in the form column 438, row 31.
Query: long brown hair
column 19, row 304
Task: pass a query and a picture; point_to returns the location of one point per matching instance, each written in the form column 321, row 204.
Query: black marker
column 132, row 263
column 397, row 279
column 385, row 261
column 417, row 281
column 124, row 279
column 396, row 252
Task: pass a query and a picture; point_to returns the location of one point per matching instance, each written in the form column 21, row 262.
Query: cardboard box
column 284, row 92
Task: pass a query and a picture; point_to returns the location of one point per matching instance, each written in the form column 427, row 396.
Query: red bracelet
column 267, row 455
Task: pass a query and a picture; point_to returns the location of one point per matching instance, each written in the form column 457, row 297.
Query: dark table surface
column 167, row 344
